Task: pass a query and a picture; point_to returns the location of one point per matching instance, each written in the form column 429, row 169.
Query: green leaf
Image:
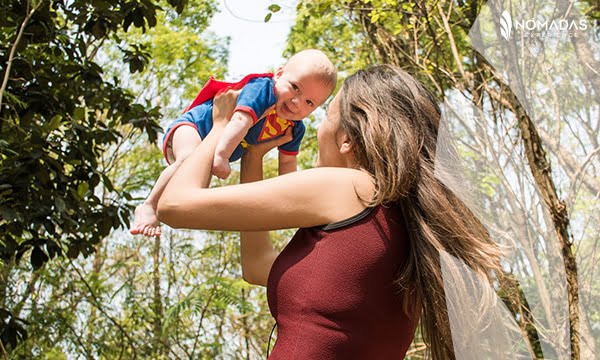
column 127, row 22
column 73, row 251
column 79, row 113
column 60, row 204
column 268, row 17
column 274, row 8
column 374, row 18
column 54, row 122
column 98, row 30
column 82, row 189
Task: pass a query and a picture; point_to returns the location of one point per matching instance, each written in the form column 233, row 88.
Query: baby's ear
column 278, row 72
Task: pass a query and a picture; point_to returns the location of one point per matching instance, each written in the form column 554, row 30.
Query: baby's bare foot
column 221, row 167
column 145, row 221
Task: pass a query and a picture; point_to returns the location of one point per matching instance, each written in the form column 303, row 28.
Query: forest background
column 86, row 86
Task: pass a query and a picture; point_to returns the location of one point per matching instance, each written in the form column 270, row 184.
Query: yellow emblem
column 274, row 126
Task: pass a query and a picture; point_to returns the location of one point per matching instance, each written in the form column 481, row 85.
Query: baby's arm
column 287, row 163
column 233, row 134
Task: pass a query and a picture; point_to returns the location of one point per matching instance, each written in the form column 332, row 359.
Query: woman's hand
column 223, row 105
column 259, row 150
column 252, row 161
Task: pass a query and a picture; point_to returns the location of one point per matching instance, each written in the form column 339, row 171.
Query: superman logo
column 274, row 126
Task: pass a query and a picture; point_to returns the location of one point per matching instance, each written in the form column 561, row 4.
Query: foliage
column 58, row 116
column 326, row 26
column 61, row 113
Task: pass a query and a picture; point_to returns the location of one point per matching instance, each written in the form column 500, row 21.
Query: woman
column 364, row 266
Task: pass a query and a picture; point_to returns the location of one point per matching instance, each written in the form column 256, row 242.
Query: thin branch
column 579, row 171
column 210, row 297
column 96, row 304
column 4, row 354
column 448, row 30
column 13, row 49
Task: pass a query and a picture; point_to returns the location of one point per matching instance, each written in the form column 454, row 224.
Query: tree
column 59, row 114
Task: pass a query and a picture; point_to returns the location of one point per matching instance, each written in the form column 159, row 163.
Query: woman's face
column 329, row 138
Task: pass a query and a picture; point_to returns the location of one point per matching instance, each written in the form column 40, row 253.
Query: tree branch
column 96, row 304
column 13, row 49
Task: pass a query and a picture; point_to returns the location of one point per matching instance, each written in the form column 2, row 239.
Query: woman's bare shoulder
column 354, row 186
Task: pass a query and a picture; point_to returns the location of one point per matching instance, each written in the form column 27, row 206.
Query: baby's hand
column 221, row 168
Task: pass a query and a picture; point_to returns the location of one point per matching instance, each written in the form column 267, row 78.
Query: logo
column 505, row 25
column 542, row 27
column 273, row 126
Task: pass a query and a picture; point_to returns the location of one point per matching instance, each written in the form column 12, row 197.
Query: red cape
column 212, row 86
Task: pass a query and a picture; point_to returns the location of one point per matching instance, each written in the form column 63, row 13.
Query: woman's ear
column 345, row 145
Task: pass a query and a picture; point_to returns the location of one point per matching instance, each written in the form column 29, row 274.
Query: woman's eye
column 295, row 87
column 310, row 103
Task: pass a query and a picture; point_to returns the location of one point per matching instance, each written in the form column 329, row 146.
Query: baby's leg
column 185, row 139
column 234, row 133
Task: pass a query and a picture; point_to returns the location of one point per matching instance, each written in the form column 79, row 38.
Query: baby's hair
column 322, row 68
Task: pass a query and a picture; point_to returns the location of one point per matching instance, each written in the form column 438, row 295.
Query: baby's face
column 298, row 92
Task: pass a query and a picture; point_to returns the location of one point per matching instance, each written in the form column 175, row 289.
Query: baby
column 268, row 104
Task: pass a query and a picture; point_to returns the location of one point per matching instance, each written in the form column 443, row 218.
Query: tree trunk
column 97, row 267
column 5, row 269
column 541, row 171
column 542, row 175
column 158, row 308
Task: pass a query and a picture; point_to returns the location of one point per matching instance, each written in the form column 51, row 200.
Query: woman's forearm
column 287, row 164
column 257, row 251
column 251, row 168
column 194, row 173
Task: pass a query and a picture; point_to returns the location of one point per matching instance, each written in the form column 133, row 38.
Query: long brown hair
column 392, row 122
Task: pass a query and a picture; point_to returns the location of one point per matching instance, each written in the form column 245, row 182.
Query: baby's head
column 303, row 83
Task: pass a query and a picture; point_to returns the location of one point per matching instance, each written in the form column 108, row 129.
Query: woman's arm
column 257, row 251
column 300, row 199
column 287, row 163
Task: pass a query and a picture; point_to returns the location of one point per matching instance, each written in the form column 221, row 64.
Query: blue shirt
column 255, row 98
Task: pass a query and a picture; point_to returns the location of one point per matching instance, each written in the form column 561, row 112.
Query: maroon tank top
column 331, row 290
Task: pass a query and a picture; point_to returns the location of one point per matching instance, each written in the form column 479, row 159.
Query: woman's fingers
column 264, row 147
column 284, row 139
column 223, row 104
column 287, row 136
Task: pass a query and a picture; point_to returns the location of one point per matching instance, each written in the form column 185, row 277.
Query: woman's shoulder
column 360, row 178
column 358, row 183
